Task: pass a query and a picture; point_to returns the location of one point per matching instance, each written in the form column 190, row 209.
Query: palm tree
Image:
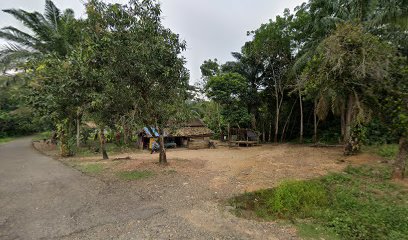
column 51, row 32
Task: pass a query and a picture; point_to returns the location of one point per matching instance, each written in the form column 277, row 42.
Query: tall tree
column 349, row 64
column 230, row 90
column 271, row 47
column 138, row 61
column 51, row 32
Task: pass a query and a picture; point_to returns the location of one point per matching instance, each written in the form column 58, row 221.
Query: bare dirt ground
column 238, row 170
column 194, row 187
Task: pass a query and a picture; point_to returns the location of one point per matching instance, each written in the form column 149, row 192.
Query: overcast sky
column 212, row 28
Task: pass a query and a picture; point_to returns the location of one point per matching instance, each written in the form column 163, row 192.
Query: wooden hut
column 192, row 135
column 243, row 136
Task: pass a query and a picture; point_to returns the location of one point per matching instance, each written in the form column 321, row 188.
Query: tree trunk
column 270, row 132
column 287, row 122
column 162, row 156
column 275, row 139
column 400, row 161
column 315, row 122
column 125, row 134
column 64, row 147
column 253, row 122
column 78, row 131
column 229, row 136
column 219, row 121
column 102, row 141
column 349, row 118
column 301, row 118
column 263, row 132
column 343, row 122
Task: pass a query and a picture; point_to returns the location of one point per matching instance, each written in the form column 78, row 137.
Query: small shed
column 147, row 136
column 243, row 136
column 193, row 135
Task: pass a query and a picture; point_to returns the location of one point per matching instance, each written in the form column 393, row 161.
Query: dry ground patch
column 196, row 184
column 234, row 170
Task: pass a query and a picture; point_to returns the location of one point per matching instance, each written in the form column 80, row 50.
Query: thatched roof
column 194, row 123
column 190, row 132
column 192, row 128
column 90, row 124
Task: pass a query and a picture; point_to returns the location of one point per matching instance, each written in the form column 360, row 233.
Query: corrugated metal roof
column 153, row 133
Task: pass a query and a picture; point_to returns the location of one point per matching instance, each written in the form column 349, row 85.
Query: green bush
column 360, row 203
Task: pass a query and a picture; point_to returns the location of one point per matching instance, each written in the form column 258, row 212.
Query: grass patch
column 388, row 151
column 134, row 175
column 310, row 231
column 6, row 139
column 359, row 203
column 91, row 168
column 85, row 152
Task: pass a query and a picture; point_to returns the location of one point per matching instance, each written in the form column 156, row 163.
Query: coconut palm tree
column 51, row 32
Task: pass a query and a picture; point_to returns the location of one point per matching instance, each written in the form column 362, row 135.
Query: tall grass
column 360, row 203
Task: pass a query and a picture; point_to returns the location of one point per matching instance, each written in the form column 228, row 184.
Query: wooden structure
column 242, row 137
column 147, row 136
column 192, row 135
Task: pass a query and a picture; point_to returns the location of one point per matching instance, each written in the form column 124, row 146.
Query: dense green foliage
column 119, row 68
column 360, row 203
column 16, row 118
column 332, row 71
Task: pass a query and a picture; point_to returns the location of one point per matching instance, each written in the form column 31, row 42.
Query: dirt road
column 40, row 198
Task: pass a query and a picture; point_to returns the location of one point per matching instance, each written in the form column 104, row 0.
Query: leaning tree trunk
column 400, row 161
column 162, row 156
column 102, row 141
column 275, row 139
column 301, row 118
column 286, row 123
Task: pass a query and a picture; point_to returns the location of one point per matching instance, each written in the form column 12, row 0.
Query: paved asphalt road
column 41, row 198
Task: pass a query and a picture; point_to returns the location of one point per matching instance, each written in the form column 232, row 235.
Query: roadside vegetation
column 359, row 203
column 6, row 139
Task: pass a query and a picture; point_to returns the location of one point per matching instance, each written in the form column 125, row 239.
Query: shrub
column 359, row 203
